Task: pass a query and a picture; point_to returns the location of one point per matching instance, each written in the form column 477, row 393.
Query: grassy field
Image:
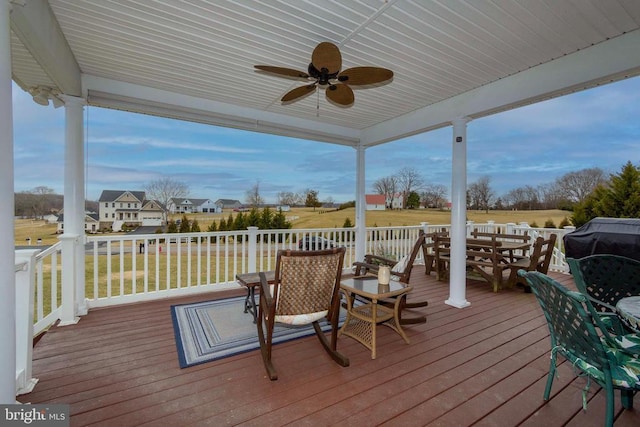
column 319, row 218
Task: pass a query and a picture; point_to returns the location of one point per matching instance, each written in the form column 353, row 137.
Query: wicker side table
column 362, row 320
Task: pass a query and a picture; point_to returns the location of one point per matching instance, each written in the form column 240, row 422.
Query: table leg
column 250, row 303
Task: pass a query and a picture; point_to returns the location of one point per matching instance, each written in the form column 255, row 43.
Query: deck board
column 482, row 365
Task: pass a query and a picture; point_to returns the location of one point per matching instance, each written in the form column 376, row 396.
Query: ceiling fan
column 324, row 71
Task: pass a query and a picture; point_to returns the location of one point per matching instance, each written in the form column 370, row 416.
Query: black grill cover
column 617, row 236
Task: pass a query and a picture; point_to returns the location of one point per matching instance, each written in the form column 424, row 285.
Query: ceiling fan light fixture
column 326, row 62
column 42, row 94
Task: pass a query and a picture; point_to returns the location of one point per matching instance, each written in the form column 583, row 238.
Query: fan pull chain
column 317, row 101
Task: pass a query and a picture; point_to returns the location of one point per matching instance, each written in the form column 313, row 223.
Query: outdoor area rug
column 211, row 330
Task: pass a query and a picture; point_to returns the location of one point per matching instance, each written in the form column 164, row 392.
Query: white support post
column 7, row 256
column 74, row 189
column 25, row 290
column 253, row 249
column 68, row 306
column 457, row 269
column 361, row 226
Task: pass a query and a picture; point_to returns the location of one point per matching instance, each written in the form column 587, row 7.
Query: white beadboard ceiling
column 194, row 59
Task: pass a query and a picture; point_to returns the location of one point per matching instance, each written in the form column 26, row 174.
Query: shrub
column 564, row 223
column 549, row 224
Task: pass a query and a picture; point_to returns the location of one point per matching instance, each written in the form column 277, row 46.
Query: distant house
column 91, row 223
column 188, row 205
column 396, row 201
column 119, row 207
column 375, row 202
column 228, row 204
column 51, row 218
column 151, row 213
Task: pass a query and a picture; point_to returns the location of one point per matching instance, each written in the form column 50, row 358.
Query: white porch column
column 74, row 209
column 7, row 257
column 361, row 228
column 457, row 269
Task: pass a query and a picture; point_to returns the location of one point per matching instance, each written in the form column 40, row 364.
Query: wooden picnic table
column 486, row 257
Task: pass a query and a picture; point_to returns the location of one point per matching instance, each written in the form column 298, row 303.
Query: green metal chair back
column 606, row 278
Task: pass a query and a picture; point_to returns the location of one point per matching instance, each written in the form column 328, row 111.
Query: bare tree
column 481, row 193
column 41, row 200
column 386, row 186
column 434, row 195
column 576, row 186
column 409, row 179
column 287, row 198
column 163, row 190
column 253, row 197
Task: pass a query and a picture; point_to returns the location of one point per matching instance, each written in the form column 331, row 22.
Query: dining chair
column 574, row 336
column 305, row 290
column 539, row 260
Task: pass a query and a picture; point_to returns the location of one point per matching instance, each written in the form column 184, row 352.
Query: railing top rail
column 56, row 247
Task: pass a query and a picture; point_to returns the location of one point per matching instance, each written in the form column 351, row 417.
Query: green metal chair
column 575, row 336
column 605, row 279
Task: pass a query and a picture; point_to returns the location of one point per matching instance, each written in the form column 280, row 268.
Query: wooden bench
column 483, row 256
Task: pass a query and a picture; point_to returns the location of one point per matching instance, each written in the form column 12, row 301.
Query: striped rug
column 211, row 330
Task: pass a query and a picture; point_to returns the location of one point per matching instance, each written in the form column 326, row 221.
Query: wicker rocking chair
column 306, row 290
column 575, row 337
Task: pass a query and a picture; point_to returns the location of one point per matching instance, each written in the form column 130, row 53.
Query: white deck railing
column 131, row 268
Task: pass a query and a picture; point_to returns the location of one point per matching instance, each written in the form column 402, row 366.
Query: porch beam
column 36, row 27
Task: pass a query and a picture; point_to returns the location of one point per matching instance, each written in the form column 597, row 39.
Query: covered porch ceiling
column 193, row 60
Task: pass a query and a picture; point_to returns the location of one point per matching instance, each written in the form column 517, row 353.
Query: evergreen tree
column 185, row 227
column 266, row 219
column 239, row 223
column 280, row 221
column 213, row 227
column 223, row 225
column 413, row 200
column 253, row 218
column 620, row 199
column 172, row 227
column 623, row 198
column 195, row 227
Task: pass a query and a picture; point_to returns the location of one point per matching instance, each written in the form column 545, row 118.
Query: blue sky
column 531, row 145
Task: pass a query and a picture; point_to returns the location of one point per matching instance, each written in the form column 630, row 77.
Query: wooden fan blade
column 327, row 55
column 288, row 72
column 365, row 75
column 340, row 94
column 298, row 93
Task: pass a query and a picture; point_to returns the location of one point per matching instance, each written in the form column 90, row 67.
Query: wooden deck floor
column 483, row 365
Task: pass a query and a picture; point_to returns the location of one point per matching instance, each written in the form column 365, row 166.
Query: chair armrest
column 362, row 268
column 265, row 291
column 378, row 260
column 609, row 307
